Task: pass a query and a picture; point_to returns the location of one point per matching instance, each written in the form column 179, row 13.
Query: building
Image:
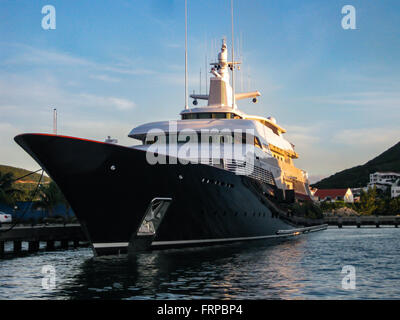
column 395, row 189
column 334, row 195
column 383, row 180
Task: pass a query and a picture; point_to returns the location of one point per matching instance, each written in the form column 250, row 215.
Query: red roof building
column 334, row 194
column 302, row 197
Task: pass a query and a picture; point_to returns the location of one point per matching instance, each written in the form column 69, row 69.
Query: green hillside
column 359, row 176
column 18, row 172
column 25, row 185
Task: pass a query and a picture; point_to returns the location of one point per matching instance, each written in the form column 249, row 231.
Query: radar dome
column 272, row 119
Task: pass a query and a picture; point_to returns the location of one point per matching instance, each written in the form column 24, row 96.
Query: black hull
column 209, row 205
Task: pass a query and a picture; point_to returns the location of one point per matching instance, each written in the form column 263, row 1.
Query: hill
column 18, row 172
column 359, row 176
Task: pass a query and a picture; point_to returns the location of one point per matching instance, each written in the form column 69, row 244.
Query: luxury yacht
column 214, row 176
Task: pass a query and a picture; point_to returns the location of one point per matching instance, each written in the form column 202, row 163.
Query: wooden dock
column 359, row 221
column 375, row 221
column 71, row 235
column 68, row 235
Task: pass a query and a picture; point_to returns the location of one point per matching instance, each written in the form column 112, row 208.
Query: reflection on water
column 306, row 268
column 224, row 272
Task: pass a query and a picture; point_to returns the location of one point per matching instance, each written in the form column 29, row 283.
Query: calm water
column 307, row 268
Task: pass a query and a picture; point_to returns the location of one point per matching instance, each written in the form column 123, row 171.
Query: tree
column 49, row 196
column 394, row 206
column 7, row 191
column 368, row 201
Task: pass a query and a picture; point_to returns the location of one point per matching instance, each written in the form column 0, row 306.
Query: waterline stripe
column 110, row 245
column 165, row 243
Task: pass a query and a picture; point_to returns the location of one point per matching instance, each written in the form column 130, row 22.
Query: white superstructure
column 221, row 119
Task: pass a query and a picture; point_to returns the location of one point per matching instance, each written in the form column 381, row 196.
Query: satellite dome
column 272, row 119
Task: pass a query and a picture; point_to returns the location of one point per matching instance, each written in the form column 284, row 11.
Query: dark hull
column 110, row 204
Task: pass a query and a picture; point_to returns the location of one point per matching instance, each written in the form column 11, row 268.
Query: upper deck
column 221, row 114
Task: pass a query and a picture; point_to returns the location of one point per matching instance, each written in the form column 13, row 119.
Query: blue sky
column 112, row 65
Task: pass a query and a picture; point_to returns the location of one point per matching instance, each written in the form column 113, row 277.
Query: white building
column 383, row 180
column 395, row 192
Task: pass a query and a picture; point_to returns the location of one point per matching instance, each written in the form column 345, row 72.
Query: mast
column 186, row 72
column 55, row 121
column 233, row 61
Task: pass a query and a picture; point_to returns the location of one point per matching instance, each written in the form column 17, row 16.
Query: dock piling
column 49, row 234
column 17, row 246
column 64, row 244
column 33, row 246
column 50, row 245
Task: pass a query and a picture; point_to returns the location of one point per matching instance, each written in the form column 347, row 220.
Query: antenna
column 186, row 72
column 241, row 59
column 205, row 70
column 205, row 75
column 233, row 61
column 200, row 81
column 55, row 121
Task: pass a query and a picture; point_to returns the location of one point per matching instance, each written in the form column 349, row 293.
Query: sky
column 109, row 66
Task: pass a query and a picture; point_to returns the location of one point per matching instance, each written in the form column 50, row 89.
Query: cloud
column 371, row 138
column 105, row 102
column 23, row 96
column 21, row 54
column 24, row 54
column 10, row 152
column 361, row 100
column 316, row 178
column 98, row 130
column 103, row 77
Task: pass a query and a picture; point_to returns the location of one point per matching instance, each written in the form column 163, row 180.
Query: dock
column 358, row 221
column 70, row 235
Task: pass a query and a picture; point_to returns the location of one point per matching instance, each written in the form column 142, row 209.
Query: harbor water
column 308, row 267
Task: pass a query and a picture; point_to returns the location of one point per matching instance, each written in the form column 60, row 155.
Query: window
column 219, row 115
column 205, row 115
column 257, row 142
column 189, row 116
column 209, row 115
column 151, row 141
